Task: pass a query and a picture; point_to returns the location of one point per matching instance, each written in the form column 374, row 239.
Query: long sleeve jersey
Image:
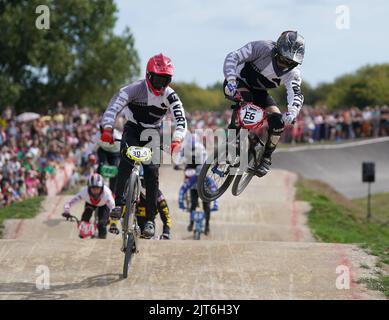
column 106, row 198
column 145, row 108
column 255, row 65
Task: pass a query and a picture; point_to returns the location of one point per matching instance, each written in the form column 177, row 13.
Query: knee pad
column 276, row 124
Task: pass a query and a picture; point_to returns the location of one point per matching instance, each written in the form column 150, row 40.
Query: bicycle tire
column 128, row 254
column 196, row 235
column 242, row 180
column 205, row 194
column 129, row 217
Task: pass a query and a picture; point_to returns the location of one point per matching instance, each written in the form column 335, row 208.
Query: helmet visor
column 285, row 62
column 159, row 81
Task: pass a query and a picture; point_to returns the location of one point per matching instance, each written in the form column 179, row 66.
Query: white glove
column 289, row 118
column 230, row 88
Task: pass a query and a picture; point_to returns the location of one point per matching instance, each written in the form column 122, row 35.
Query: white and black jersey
column 105, row 199
column 145, row 109
column 255, row 65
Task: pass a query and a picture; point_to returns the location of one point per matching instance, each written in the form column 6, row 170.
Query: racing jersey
column 146, row 109
column 97, row 143
column 255, row 65
column 106, row 198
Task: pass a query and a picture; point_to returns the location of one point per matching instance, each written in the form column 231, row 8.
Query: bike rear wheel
column 220, row 174
column 129, row 222
column 243, row 179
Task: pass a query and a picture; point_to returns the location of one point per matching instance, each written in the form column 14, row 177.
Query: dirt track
column 259, row 248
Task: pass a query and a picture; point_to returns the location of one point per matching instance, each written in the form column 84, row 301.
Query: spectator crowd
column 31, row 150
column 314, row 124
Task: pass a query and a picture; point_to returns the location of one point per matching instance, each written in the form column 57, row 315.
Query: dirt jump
column 259, row 248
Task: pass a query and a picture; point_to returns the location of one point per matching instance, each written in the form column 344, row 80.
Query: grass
column 379, row 207
column 333, row 218
column 25, row 209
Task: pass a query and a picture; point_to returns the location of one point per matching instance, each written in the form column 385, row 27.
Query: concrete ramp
column 179, row 269
column 259, row 248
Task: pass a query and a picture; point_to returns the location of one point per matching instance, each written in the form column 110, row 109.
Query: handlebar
column 71, row 218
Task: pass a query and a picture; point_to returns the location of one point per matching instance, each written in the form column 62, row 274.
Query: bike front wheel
column 215, row 177
column 196, row 235
column 128, row 254
column 129, row 222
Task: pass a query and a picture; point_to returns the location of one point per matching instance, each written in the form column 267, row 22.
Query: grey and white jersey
column 255, row 65
column 146, row 109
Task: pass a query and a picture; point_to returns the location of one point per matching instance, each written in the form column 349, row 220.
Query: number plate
column 109, row 171
column 250, row 116
column 139, row 153
column 86, row 229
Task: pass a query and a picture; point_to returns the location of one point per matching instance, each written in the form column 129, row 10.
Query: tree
column 369, row 85
column 77, row 60
column 197, row 98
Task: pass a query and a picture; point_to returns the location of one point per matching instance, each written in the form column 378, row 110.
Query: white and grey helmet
column 95, row 180
column 291, row 48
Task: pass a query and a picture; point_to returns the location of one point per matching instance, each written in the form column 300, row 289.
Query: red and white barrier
column 59, row 180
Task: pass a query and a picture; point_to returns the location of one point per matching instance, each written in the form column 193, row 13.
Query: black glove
column 66, row 215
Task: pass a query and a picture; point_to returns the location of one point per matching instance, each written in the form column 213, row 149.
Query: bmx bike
column 223, row 167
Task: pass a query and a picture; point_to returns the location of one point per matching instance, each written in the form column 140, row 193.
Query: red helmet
column 159, row 73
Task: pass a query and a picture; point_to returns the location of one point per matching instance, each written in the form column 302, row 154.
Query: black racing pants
column 102, row 217
column 131, row 137
column 194, row 203
column 264, row 100
column 111, row 159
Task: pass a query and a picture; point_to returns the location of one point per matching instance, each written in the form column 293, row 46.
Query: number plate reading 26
column 250, row 116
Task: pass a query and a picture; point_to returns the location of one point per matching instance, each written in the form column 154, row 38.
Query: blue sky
column 197, row 34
